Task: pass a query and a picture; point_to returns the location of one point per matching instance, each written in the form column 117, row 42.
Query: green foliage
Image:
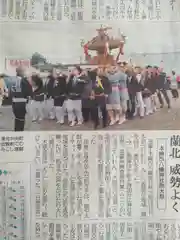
column 37, row 58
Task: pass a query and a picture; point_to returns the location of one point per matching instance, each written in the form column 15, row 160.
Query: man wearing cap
column 174, row 85
column 160, row 79
column 21, row 91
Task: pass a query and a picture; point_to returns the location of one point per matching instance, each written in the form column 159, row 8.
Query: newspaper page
column 73, row 65
column 90, row 185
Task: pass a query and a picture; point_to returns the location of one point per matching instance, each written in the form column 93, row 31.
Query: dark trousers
column 19, row 110
column 131, row 106
column 86, row 109
column 175, row 93
column 159, row 94
column 86, row 114
column 95, row 115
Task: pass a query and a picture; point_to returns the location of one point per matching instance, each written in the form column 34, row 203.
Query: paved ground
column 162, row 120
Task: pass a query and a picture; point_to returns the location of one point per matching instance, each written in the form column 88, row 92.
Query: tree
column 37, row 58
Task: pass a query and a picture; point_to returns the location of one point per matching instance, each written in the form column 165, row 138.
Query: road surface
column 161, row 120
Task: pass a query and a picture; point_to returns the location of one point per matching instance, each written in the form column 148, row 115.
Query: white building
column 57, row 28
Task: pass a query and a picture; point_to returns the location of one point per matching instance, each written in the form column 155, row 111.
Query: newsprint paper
column 90, row 185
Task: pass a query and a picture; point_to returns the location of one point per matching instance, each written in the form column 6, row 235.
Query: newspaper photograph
column 87, row 65
column 69, row 69
column 90, row 185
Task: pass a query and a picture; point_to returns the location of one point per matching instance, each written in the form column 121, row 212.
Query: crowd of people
column 111, row 94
